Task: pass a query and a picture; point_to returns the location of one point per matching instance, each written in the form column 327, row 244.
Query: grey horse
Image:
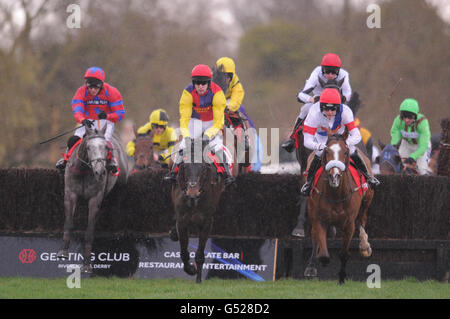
column 86, row 177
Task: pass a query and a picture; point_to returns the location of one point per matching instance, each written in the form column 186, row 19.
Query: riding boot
column 315, row 164
column 111, row 164
column 61, row 163
column 289, row 145
column 361, row 166
column 229, row 179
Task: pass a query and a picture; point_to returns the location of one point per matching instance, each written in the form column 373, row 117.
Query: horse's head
column 390, row 160
column 143, row 151
column 220, row 77
column 335, row 157
column 194, row 174
column 94, row 152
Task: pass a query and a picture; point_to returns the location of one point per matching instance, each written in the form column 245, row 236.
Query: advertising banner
column 150, row 257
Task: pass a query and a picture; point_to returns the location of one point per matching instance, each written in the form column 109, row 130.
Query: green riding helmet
column 409, row 107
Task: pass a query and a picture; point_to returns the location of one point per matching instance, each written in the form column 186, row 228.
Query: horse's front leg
column 311, row 268
column 70, row 204
column 344, row 254
column 183, row 236
column 200, row 253
column 94, row 208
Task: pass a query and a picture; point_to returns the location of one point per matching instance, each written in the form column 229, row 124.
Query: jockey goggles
column 200, row 82
column 328, row 107
column 406, row 114
column 154, row 125
column 330, row 69
column 94, row 83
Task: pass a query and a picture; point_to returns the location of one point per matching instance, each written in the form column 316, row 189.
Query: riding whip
column 61, row 134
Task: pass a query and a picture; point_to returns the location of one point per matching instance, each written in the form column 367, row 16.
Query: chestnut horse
column 195, row 198
column 336, row 200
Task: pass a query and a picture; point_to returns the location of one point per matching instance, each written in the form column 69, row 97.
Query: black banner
column 151, row 257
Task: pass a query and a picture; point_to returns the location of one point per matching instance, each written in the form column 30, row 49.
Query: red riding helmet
column 330, row 98
column 331, row 59
column 96, row 73
column 201, row 71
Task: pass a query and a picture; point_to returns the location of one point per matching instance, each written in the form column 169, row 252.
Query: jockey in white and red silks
column 329, row 115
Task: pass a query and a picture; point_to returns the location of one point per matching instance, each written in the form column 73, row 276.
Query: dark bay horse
column 195, row 197
column 143, row 152
column 337, row 200
column 391, row 162
column 86, row 177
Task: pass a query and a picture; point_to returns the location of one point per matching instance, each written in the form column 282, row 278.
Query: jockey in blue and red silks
column 95, row 104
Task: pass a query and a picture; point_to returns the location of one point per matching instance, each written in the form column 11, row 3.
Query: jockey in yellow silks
column 202, row 105
column 164, row 137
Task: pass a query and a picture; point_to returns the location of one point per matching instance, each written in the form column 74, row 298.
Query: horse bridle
column 93, row 161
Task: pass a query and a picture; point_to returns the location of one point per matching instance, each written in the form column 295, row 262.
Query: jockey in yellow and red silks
column 202, row 105
column 95, row 103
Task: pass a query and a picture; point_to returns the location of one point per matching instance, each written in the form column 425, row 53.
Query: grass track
column 118, row 288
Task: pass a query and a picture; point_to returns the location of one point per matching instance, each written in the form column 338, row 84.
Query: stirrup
column 373, row 181
column 61, row 164
column 289, row 145
column 306, row 189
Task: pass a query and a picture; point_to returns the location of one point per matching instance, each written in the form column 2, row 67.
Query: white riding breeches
column 198, row 127
column 405, row 151
column 109, row 129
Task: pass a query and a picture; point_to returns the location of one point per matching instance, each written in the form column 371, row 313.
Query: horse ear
column 135, row 130
column 382, row 146
column 377, row 159
column 397, row 159
column 345, row 134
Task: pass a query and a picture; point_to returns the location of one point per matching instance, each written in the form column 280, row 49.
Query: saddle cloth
column 359, row 179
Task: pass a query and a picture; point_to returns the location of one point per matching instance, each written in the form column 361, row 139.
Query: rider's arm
column 218, row 105
column 354, row 135
column 186, row 103
column 131, row 148
column 424, row 138
column 309, row 130
column 237, row 94
column 117, row 111
column 78, row 107
column 396, row 134
column 304, row 95
column 171, row 140
column 346, row 88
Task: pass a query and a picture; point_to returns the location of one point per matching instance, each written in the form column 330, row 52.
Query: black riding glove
column 87, row 123
column 102, row 115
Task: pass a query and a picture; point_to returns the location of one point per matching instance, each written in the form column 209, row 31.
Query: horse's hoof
column 310, row 272
column 298, row 232
column 86, row 269
column 190, row 269
column 198, row 280
column 63, row 254
column 366, row 253
column 324, row 260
